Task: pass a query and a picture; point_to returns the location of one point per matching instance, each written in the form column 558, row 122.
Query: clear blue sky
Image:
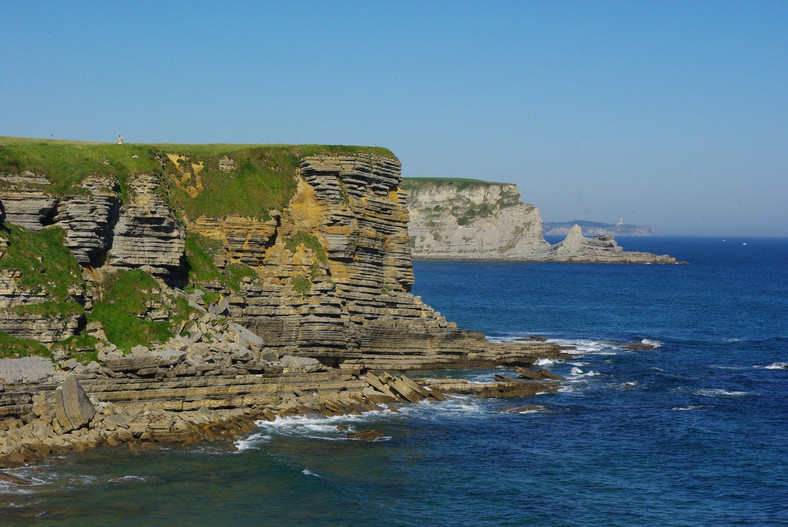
column 672, row 114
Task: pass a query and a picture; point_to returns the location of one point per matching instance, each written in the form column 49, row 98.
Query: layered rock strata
column 325, row 311
column 147, row 232
column 213, row 383
column 27, row 199
column 341, row 294
column 476, row 220
column 89, row 219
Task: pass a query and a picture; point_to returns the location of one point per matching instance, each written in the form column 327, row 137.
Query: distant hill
column 595, row 228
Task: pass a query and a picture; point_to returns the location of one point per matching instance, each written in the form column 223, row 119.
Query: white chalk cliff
column 469, row 219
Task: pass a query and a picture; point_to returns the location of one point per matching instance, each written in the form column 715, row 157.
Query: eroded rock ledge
column 213, row 384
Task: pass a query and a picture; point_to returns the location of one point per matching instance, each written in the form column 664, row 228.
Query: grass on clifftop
column 260, row 178
column 459, row 183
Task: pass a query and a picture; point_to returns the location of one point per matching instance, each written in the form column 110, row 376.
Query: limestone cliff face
column 27, row 200
column 473, row 220
column 331, row 272
column 147, row 232
column 342, row 293
column 467, row 219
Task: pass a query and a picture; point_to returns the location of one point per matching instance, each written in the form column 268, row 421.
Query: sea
column 693, row 432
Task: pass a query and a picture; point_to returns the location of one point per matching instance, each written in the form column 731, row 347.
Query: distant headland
column 481, row 220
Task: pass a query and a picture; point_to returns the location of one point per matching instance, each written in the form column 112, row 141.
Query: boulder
column 72, row 405
column 25, row 370
column 220, row 307
column 293, row 364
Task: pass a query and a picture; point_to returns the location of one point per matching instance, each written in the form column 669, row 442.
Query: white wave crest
column 688, row 407
column 308, row 472
column 577, row 373
column 252, row 442
column 586, row 346
column 460, row 406
column 719, row 392
column 775, row 366
column 545, row 362
column 129, row 479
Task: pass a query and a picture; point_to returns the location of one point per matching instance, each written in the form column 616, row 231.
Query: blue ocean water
column 693, row 432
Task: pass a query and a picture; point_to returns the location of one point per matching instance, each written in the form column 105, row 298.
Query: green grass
column 308, row 241
column 200, row 251
column 14, row 348
column 67, row 163
column 51, row 309
column 264, row 178
column 45, row 263
column 301, row 284
column 235, row 273
column 460, row 183
column 123, row 301
column 81, row 347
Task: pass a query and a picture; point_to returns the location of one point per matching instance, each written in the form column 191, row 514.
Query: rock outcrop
column 600, row 249
column 300, row 309
column 212, row 382
column 477, row 220
column 328, row 278
column 27, row 200
column 89, row 219
column 147, row 232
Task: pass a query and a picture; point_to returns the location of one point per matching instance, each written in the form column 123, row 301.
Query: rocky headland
column 181, row 292
column 479, row 220
column 595, row 228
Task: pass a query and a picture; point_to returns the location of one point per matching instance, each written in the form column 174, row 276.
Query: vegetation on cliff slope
column 45, row 265
column 200, row 254
column 460, row 206
column 14, row 348
column 214, row 180
column 199, row 180
column 126, row 306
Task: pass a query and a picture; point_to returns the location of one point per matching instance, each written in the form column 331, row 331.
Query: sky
column 668, row 114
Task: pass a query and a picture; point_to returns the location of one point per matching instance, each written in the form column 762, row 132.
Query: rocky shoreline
column 69, row 411
column 140, row 313
column 213, row 384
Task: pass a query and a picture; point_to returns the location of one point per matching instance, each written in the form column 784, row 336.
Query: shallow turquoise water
column 691, row 433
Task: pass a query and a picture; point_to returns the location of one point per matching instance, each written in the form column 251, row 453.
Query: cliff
column 319, row 266
column 471, row 219
column 178, row 292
